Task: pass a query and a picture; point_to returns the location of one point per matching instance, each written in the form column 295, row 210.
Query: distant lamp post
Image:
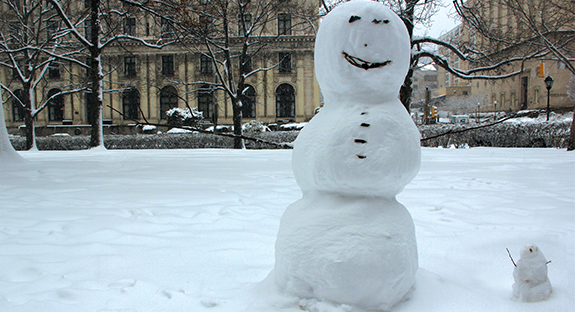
column 495, row 113
column 548, row 85
column 477, row 115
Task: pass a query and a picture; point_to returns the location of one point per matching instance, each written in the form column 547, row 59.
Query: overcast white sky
column 443, row 22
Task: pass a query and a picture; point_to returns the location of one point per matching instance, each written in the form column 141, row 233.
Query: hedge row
column 154, row 141
column 506, row 134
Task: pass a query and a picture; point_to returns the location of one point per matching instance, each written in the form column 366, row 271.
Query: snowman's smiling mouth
column 357, row 62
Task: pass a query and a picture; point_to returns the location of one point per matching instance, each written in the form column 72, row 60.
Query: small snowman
column 347, row 240
column 530, row 275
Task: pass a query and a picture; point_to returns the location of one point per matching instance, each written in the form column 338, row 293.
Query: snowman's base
column 359, row 251
column 525, row 292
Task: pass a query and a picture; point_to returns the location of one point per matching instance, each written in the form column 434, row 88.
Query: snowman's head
column 529, row 251
column 362, row 53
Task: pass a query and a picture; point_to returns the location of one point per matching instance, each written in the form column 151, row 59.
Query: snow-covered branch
column 72, row 27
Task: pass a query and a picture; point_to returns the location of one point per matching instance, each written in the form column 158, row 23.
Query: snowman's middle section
column 358, row 150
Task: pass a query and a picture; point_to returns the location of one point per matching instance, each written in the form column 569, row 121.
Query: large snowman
column 348, row 240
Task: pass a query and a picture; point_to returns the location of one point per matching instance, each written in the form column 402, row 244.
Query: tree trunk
column 406, row 90
column 96, row 135
column 30, row 134
column 238, row 142
column 571, row 145
column 29, row 118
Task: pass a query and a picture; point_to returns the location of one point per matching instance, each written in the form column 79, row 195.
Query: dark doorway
column 524, row 88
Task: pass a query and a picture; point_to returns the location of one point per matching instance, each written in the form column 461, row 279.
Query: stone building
column 142, row 83
column 524, row 91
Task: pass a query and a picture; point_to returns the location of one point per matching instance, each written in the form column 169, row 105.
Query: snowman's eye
column 354, row 18
column 376, row 21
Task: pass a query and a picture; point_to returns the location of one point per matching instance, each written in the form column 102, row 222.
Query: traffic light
column 433, row 111
column 541, row 70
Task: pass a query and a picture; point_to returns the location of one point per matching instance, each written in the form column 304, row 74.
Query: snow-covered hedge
column 510, row 133
column 521, row 132
column 155, row 141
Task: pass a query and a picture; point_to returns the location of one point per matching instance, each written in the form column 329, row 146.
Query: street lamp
column 495, row 113
column 477, row 115
column 548, row 85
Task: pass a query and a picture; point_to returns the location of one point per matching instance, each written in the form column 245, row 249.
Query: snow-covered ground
column 194, row 230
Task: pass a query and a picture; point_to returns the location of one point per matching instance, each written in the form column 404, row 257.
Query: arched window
column 249, row 102
column 131, row 103
column 206, row 102
column 168, row 100
column 17, row 108
column 285, row 101
column 55, row 106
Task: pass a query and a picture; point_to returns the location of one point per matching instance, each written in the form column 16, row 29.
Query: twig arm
column 510, row 257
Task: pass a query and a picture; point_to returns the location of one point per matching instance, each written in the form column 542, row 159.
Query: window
column 168, row 100
column 18, row 106
column 284, row 62
column 246, row 66
column 89, row 64
column 15, row 32
column 247, row 22
column 130, row 66
column 167, row 65
column 89, row 104
column 249, row 102
column 285, row 101
column 88, row 31
column 284, row 24
column 131, row 104
column 167, row 29
column 205, row 64
column 15, row 73
column 51, row 29
column 55, row 106
column 54, row 70
column 206, row 102
column 130, row 26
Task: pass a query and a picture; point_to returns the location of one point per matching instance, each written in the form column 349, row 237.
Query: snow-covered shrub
column 292, row 126
column 519, row 132
column 148, row 129
column 178, row 117
column 221, row 128
column 254, row 127
column 178, row 131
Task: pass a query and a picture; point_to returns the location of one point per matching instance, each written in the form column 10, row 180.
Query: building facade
column 142, row 83
column 526, row 90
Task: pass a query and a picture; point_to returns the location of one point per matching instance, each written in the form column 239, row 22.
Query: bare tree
column 30, row 46
column 102, row 24
column 234, row 35
column 520, row 27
